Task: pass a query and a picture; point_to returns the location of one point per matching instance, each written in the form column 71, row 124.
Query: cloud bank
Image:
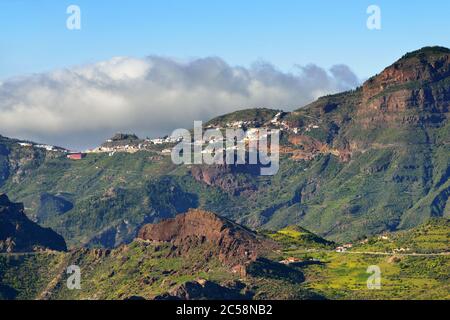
column 81, row 106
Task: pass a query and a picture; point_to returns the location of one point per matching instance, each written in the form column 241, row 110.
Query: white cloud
column 82, row 106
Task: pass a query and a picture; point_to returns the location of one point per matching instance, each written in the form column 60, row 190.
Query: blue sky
column 33, row 36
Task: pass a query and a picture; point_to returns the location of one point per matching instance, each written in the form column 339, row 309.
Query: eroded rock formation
column 233, row 244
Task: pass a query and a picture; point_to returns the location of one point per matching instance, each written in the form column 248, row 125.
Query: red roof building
column 76, row 156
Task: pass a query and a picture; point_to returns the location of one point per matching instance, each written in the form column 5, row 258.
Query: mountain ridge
column 356, row 163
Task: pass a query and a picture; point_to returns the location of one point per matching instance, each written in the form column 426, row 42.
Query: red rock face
column 407, row 71
column 400, row 95
column 231, row 243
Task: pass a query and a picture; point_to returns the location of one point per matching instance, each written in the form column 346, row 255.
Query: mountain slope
column 197, row 255
column 352, row 164
column 392, row 137
column 413, row 263
column 19, row 234
column 181, row 260
column 298, row 237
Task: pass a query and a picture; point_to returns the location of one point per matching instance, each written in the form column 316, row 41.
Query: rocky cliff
column 410, row 91
column 19, row 234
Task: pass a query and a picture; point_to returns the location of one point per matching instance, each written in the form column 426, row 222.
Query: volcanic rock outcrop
column 233, row 244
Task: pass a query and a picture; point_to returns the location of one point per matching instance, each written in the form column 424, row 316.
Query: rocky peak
column 19, row 234
column 413, row 90
column 124, row 136
column 122, row 139
column 231, row 243
column 424, row 65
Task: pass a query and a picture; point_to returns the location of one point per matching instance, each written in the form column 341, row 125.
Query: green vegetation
column 404, row 275
column 298, row 237
column 431, row 237
column 150, row 269
column 383, row 188
column 139, row 269
column 25, row 276
column 426, row 51
column 344, row 276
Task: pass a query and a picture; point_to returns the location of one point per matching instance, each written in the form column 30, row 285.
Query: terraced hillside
column 413, row 264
